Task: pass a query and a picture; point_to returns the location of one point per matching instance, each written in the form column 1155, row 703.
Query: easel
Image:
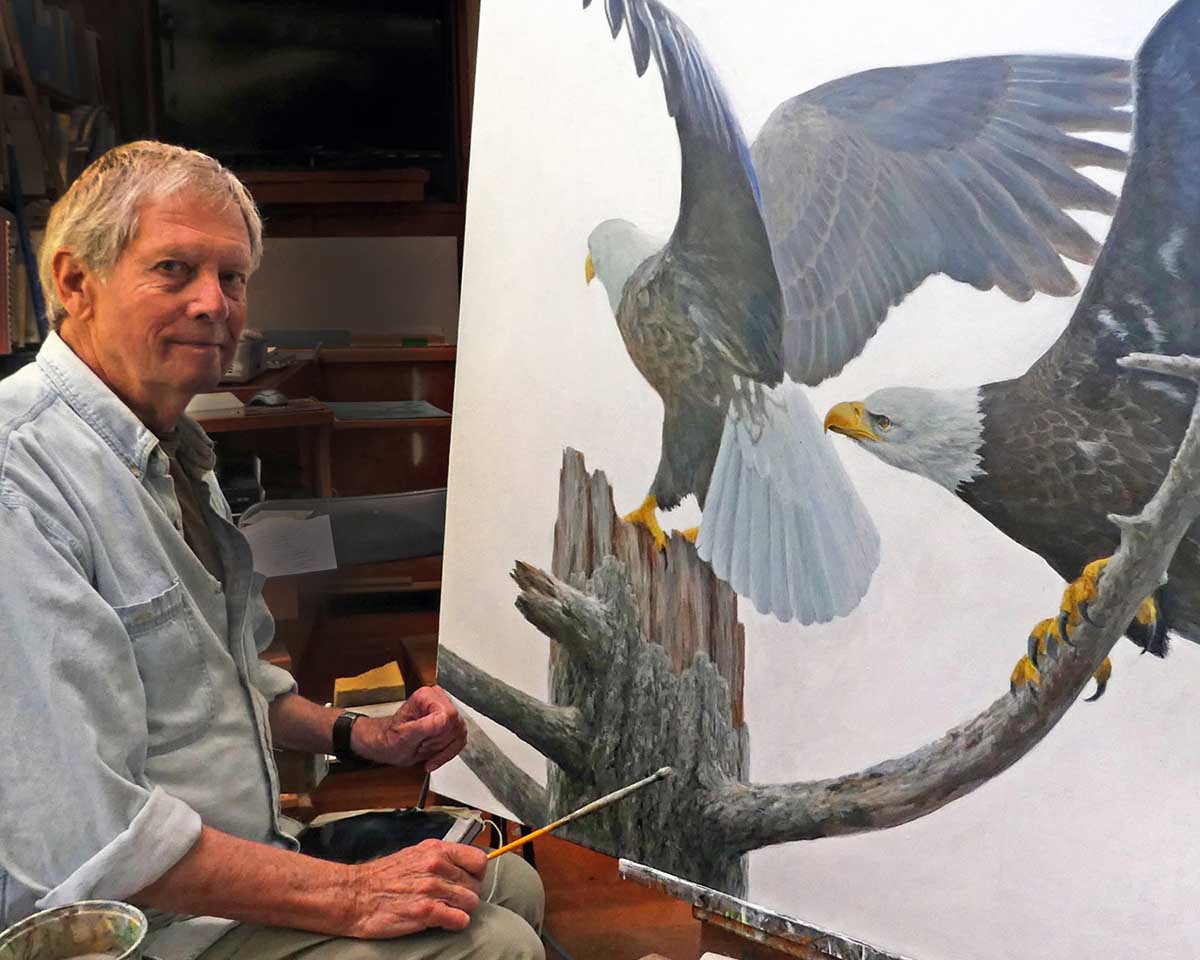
column 739, row 928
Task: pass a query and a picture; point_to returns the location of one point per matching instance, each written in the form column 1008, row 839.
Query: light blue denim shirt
column 132, row 699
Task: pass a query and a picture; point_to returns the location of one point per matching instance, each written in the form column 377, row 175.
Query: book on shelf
column 24, row 328
column 54, row 40
column 23, row 138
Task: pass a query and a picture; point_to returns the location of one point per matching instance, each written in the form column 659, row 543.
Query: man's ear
column 74, row 283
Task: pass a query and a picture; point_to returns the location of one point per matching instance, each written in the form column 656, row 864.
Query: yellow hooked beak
column 589, row 269
column 850, row 420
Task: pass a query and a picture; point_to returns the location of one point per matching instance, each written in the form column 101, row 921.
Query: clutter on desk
column 380, row 685
column 284, row 546
column 220, row 402
column 387, row 410
column 249, row 360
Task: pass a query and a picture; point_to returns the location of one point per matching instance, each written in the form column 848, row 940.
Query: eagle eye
column 884, row 423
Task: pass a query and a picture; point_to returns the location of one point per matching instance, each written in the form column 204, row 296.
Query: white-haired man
column 138, row 718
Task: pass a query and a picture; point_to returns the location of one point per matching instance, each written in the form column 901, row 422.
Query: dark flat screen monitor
column 311, row 84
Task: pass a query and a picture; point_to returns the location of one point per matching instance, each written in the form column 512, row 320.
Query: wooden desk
column 303, row 425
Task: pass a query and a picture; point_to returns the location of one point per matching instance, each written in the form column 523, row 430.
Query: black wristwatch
column 341, row 739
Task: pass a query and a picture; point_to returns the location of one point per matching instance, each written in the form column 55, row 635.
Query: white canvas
column 1084, row 848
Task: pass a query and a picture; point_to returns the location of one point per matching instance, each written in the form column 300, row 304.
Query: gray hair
column 98, row 215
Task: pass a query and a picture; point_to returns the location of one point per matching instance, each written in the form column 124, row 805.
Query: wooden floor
column 590, row 911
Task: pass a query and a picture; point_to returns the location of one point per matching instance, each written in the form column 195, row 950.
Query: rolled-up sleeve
column 78, row 818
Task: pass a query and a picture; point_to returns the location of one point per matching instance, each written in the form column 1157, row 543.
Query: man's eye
column 172, row 268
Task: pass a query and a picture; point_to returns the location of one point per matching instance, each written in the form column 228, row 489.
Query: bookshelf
column 53, row 121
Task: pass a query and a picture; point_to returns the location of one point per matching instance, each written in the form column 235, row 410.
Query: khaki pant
column 504, row 928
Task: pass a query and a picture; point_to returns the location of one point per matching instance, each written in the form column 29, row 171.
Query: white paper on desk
column 204, row 404
column 283, row 546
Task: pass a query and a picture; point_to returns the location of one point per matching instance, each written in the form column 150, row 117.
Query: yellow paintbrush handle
column 583, row 811
column 521, row 841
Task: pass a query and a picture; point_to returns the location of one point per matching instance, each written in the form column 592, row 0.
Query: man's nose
column 208, row 298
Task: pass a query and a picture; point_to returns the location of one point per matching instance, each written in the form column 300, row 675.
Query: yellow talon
column 1024, row 674
column 1147, row 614
column 1101, row 677
column 691, row 533
column 1075, row 599
column 1048, row 634
column 1044, row 640
column 647, row 516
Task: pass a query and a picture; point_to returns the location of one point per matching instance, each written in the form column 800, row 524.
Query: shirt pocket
column 180, row 703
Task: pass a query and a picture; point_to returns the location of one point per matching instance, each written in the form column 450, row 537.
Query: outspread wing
column 720, row 228
column 1080, row 430
column 878, row 180
column 1144, row 292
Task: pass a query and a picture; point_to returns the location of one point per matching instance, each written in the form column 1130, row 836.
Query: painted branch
column 644, row 714
column 573, row 619
column 749, row 816
column 509, row 784
column 555, row 732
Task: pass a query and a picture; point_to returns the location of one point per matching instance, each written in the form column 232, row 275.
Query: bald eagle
column 1046, row 457
column 788, row 254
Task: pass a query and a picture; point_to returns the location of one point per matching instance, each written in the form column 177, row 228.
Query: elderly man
column 138, row 718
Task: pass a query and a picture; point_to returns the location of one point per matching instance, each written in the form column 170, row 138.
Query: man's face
column 164, row 324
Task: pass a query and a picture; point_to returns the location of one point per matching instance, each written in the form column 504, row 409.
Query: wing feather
column 884, row 178
column 782, row 522
column 720, row 230
column 1063, row 233
column 1144, row 293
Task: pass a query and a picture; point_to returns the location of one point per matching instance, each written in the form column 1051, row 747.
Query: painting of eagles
column 836, row 292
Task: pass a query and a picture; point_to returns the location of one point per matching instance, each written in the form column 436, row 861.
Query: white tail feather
column 783, row 524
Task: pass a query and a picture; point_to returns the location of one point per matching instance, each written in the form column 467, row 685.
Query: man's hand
column 426, row 731
column 433, row 884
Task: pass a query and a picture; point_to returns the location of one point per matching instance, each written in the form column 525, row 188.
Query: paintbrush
column 583, row 811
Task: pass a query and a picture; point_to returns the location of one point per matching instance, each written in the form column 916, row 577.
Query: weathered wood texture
column 646, row 670
column 682, row 606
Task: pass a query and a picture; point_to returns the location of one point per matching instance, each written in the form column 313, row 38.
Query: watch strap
column 341, row 738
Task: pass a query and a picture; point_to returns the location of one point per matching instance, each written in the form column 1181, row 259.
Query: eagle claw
column 647, row 516
column 1045, row 638
column 1025, row 675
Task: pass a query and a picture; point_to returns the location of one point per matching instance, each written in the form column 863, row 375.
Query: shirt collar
column 196, row 452
column 94, row 401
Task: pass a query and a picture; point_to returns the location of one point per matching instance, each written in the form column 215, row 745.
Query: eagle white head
column 934, row 433
column 615, row 249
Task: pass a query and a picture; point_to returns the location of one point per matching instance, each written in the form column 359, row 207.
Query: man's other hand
column 426, row 731
column 433, row 884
